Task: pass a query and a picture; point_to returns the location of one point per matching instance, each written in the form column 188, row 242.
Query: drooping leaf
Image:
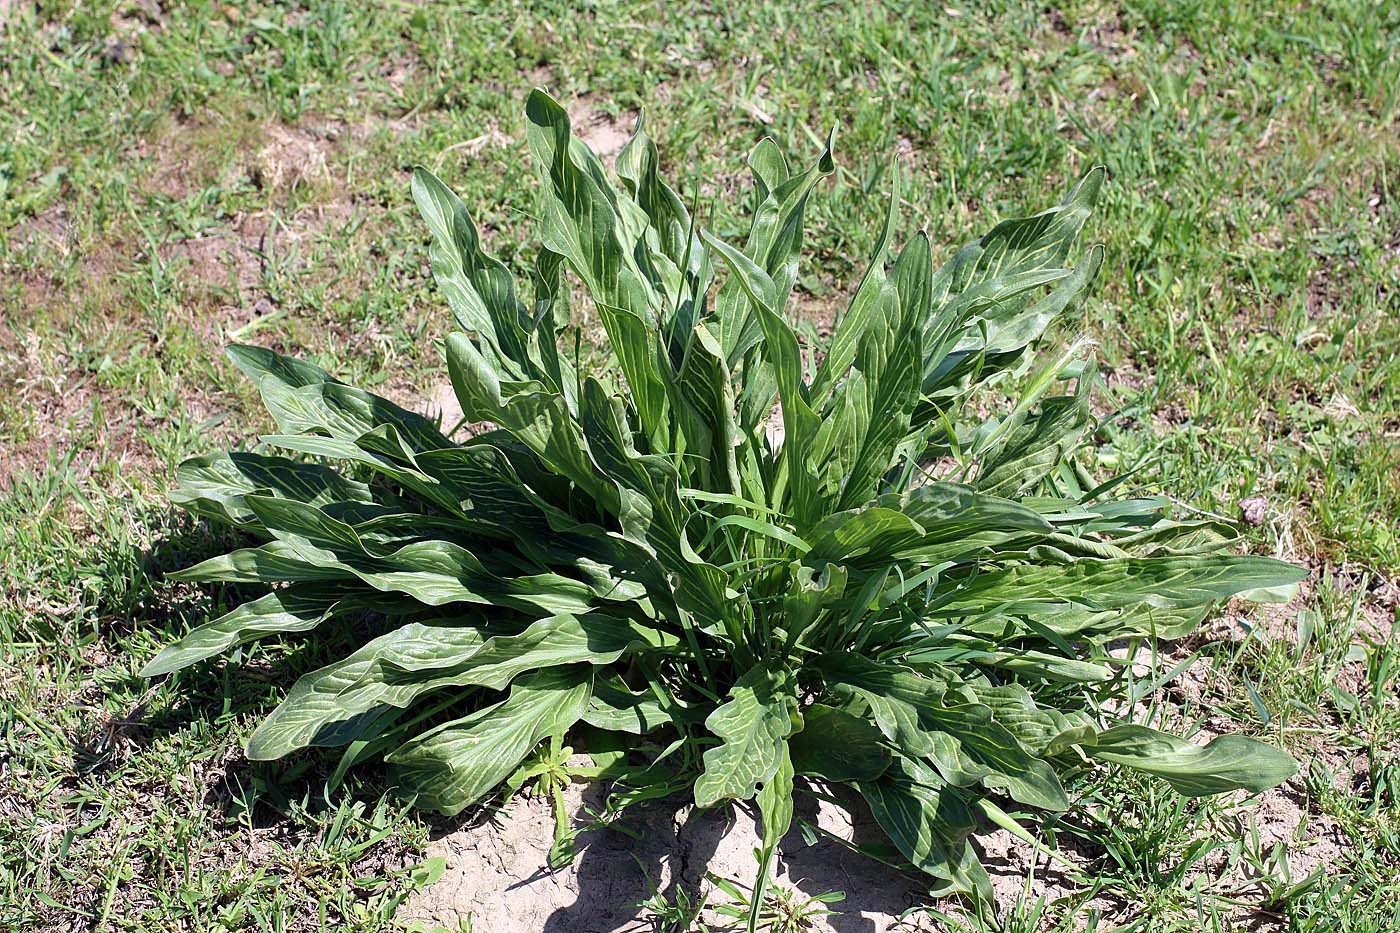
column 294, row 609
column 838, row 746
column 1042, row 730
column 617, row 708
column 930, row 824
column 1159, row 582
column 328, row 706
column 926, row 718
column 456, row 764
column 1226, row 763
column 312, row 545
column 303, row 398
column 213, row 486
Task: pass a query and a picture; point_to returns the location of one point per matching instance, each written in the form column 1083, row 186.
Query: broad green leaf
column 536, row 417
column 889, row 369
column 986, row 292
column 926, row 718
column 312, row 545
column 331, row 706
column 1010, row 334
column 781, row 350
column 837, row 746
column 1226, row 763
column 872, row 295
column 773, row 244
column 326, row 706
column 457, row 764
column 930, row 824
column 273, row 562
column 213, row 486
column 405, row 474
column 752, row 727
column 952, row 510
column 583, row 219
column 811, row 594
column 298, row 608
column 552, row 315
column 673, row 249
column 479, row 289
column 1022, row 245
column 651, row 511
column 1037, row 445
column 703, row 398
column 874, row 531
column 932, row 523
column 303, row 398
column 1159, row 582
column 1017, row 659
column 618, row 708
column 1164, row 538
column 893, row 390
column 1042, row 730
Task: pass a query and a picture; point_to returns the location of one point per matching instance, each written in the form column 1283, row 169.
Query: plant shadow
column 659, row 848
column 140, row 609
column 660, row 853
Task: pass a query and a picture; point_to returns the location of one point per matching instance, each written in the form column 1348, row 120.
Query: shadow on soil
column 499, row 858
column 139, row 609
column 497, row 875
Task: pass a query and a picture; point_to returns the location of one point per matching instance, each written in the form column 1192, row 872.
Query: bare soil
column 497, row 876
column 601, row 133
column 497, row 873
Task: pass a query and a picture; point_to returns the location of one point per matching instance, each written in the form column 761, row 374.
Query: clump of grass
column 724, row 552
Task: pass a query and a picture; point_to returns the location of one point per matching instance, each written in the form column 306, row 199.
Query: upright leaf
column 752, row 728
column 583, row 219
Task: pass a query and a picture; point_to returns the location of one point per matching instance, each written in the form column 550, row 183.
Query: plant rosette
column 893, row 592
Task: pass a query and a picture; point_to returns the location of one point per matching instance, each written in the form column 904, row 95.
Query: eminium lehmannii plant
column 723, row 564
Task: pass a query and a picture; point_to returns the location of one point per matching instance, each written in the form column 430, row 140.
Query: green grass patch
column 170, row 178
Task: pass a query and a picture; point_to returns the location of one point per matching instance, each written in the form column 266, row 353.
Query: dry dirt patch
column 497, row 876
column 603, row 134
column 290, row 155
column 497, row 872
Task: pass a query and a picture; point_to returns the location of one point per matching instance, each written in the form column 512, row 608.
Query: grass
column 172, row 178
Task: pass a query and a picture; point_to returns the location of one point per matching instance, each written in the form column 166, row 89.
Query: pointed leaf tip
column 1089, row 186
column 827, row 163
column 543, row 110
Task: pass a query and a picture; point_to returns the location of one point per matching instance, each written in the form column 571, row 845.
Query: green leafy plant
column 756, row 563
column 783, row 910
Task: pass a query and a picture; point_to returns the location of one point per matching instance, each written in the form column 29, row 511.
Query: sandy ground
column 497, row 873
